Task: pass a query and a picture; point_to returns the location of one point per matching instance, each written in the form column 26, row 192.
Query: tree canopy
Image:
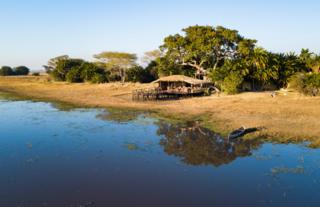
column 151, row 56
column 117, row 61
column 21, row 70
column 77, row 70
column 8, row 71
column 205, row 47
column 52, row 63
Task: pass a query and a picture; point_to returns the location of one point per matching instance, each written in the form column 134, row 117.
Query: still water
column 53, row 156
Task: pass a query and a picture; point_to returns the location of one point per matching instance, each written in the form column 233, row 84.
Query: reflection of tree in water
column 119, row 116
column 63, row 106
column 200, row 146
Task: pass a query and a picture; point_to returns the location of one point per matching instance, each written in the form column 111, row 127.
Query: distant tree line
column 8, row 71
column 234, row 63
column 110, row 66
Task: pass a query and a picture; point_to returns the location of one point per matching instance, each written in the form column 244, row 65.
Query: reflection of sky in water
column 50, row 157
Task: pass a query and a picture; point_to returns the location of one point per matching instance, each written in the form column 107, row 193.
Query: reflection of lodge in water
column 200, row 146
column 174, row 86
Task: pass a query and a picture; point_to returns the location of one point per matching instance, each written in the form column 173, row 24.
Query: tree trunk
column 215, row 65
column 122, row 75
column 199, row 69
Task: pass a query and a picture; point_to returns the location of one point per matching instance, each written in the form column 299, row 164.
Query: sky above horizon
column 34, row 31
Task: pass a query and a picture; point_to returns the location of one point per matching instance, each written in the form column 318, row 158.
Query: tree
column 135, row 74
column 165, row 67
column 52, row 63
column 262, row 70
column 119, row 62
column 290, row 64
column 74, row 75
column 140, row 74
column 151, row 56
column 204, row 47
column 63, row 66
column 6, row 71
column 21, row 70
column 77, row 71
column 311, row 60
column 90, row 70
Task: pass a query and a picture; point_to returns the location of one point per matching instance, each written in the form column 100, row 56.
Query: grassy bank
column 289, row 117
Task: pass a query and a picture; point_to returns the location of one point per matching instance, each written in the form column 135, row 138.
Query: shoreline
column 289, row 117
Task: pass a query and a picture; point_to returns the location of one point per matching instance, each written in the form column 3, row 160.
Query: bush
column 6, row 71
column 90, row 70
column 36, row 74
column 140, row 74
column 297, row 82
column 114, row 77
column 308, row 84
column 231, row 83
column 98, row 78
column 135, row 74
column 74, row 75
column 21, row 70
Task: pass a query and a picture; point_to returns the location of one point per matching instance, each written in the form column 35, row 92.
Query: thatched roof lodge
column 177, row 80
column 175, row 86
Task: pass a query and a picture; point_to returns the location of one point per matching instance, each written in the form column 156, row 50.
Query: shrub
column 98, row 78
column 135, row 74
column 6, row 71
column 140, row 74
column 74, row 75
column 297, row 82
column 89, row 71
column 21, row 70
column 36, row 74
column 308, row 84
column 231, row 83
column 114, row 77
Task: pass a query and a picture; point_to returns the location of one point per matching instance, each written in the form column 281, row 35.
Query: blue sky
column 35, row 30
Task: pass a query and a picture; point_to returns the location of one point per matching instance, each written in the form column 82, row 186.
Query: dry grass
column 287, row 117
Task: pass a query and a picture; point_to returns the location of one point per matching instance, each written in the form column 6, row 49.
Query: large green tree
column 118, row 62
column 205, row 47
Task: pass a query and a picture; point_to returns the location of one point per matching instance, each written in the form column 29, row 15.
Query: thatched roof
column 181, row 78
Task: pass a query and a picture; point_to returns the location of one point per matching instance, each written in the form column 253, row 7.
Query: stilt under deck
column 156, row 94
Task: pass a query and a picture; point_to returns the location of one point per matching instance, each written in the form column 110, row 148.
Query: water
column 59, row 156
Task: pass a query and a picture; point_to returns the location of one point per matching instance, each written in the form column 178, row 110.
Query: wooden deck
column 154, row 94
